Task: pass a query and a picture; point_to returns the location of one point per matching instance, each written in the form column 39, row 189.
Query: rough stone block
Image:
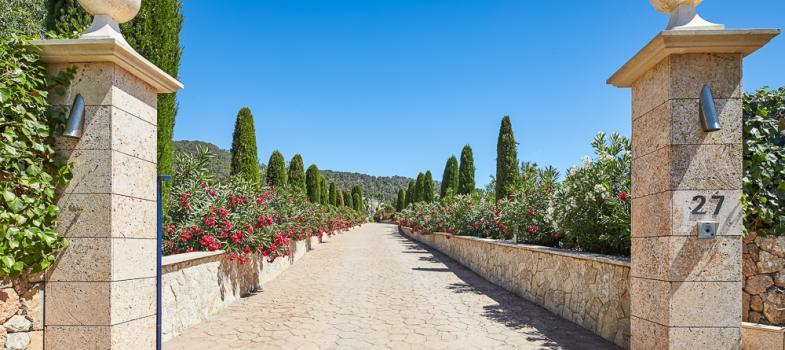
column 705, row 167
column 77, row 336
column 92, row 80
column 648, row 176
column 689, row 300
column 650, row 300
column 134, row 335
column 133, row 258
column 689, row 72
column 704, row 338
column 91, row 171
column 697, row 259
column 85, row 259
column 651, row 90
column 133, row 136
column 133, row 177
column 688, row 128
column 651, row 258
column 77, row 303
column 133, row 217
column 651, row 131
column 647, row 335
column 651, row 215
column 685, row 223
column 132, row 299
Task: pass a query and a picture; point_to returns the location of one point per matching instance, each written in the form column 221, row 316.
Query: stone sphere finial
column 107, row 15
column 120, row 11
column 684, row 15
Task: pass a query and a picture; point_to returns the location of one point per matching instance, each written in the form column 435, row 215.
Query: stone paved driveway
column 374, row 289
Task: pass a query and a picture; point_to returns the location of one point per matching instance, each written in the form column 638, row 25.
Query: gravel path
column 372, row 288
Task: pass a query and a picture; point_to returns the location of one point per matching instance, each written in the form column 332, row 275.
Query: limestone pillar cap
column 107, row 49
column 674, row 42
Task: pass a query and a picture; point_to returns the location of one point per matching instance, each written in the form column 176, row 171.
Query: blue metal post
column 158, row 294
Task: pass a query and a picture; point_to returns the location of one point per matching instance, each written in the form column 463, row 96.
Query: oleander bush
column 29, row 169
column 764, row 162
column 242, row 217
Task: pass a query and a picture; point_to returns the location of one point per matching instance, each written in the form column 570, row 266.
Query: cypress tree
column 312, row 183
column 466, row 171
column 324, row 195
column 155, row 34
column 449, row 178
column 401, row 202
column 296, row 175
column 428, row 187
column 245, row 161
column 348, row 200
column 276, row 170
column 339, row 198
column 357, row 190
column 506, row 159
column 333, row 194
column 356, row 202
column 419, row 188
column 410, row 192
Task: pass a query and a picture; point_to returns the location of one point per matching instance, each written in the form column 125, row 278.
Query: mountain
column 384, row 188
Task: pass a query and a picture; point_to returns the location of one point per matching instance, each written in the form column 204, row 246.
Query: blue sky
column 394, row 87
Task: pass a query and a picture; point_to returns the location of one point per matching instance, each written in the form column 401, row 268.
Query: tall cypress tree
column 333, row 194
column 357, row 202
column 276, row 170
column 449, row 178
column 155, row 34
column 339, row 198
column 245, row 161
column 324, row 195
column 466, row 171
column 428, row 187
column 296, row 177
column 419, row 188
column 506, row 159
column 401, row 202
column 410, row 192
column 312, row 183
column 358, row 191
column 348, row 200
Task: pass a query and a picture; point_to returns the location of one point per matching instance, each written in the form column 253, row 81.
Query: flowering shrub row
column 588, row 211
column 239, row 217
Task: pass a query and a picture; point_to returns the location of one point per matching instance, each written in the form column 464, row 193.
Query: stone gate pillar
column 101, row 294
column 686, row 290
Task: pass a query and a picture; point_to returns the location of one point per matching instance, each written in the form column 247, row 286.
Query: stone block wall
column 197, row 285
column 21, row 313
column 590, row 290
column 763, row 267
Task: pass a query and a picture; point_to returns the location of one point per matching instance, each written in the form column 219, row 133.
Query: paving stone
column 372, row 288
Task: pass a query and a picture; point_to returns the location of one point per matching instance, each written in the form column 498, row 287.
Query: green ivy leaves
column 29, row 170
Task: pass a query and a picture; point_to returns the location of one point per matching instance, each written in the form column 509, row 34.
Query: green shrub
column 466, row 171
column 297, row 173
column 449, row 178
column 525, row 211
column 592, row 208
column 312, row 177
column 428, row 187
column 29, row 169
column 333, row 194
column 23, row 16
column 506, row 159
column 276, row 170
column 400, row 203
column 764, row 162
column 245, row 160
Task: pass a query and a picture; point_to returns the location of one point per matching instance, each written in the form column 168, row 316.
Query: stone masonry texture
column 373, row 288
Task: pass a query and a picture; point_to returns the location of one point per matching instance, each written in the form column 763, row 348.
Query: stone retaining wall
column 590, row 290
column 763, row 267
column 197, row 285
column 22, row 313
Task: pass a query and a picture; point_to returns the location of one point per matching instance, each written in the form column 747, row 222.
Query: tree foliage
column 419, row 188
column 466, row 171
column 245, row 161
column 22, row 16
column 333, row 194
column 400, row 203
column 348, row 200
column 506, row 159
column 410, row 192
column 276, row 170
column 764, row 162
column 428, row 195
column 312, row 183
column 29, row 168
column 296, row 175
column 449, row 178
column 357, row 198
column 324, row 195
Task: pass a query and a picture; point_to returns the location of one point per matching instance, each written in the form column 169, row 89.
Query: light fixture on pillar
column 708, row 111
column 75, row 124
column 107, row 15
column 684, row 15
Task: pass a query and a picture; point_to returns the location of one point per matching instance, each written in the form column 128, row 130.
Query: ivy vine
column 29, row 169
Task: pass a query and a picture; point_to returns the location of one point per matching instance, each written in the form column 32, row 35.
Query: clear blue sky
column 394, row 87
